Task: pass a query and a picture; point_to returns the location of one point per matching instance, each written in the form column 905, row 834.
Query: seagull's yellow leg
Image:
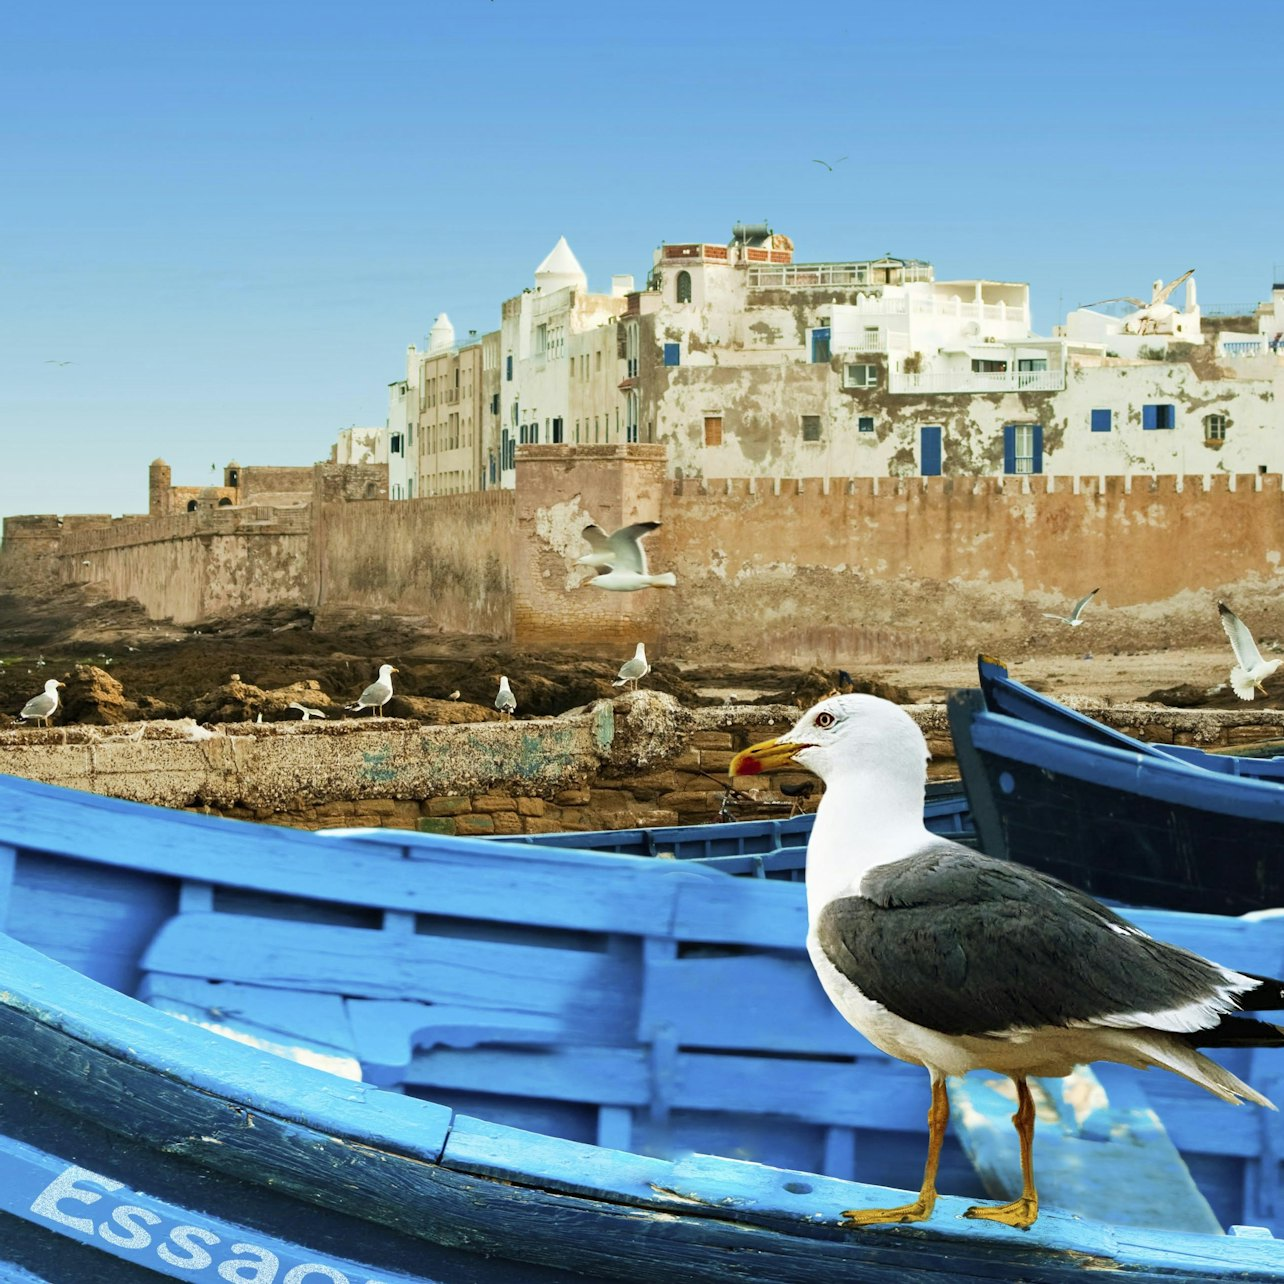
column 1020, row 1212
column 938, row 1116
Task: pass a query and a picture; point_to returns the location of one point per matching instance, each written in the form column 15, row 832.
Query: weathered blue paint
column 568, row 998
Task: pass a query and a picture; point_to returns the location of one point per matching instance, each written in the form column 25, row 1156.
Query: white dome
column 442, row 335
column 559, row 269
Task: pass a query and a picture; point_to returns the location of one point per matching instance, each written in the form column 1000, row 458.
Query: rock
column 232, row 702
column 649, row 726
column 440, row 713
column 93, row 697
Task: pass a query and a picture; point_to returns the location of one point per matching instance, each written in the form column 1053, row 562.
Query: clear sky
column 229, row 219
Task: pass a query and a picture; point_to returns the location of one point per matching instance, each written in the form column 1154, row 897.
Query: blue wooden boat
column 1166, row 826
column 572, row 1065
column 759, row 848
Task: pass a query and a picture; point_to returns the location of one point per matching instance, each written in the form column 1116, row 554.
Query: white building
column 361, row 446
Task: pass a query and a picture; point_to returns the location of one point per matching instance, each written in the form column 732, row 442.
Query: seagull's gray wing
column 625, row 544
column 1077, row 609
column 40, row 706
column 1241, row 639
column 596, row 538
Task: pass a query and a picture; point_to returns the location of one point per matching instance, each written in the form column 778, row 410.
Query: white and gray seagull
column 1251, row 670
column 306, row 711
column 42, row 707
column 633, row 670
column 620, row 560
column 1076, row 611
column 955, row 961
column 377, row 694
column 505, row 700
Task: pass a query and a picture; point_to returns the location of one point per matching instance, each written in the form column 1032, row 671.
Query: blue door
column 820, row 344
column 929, row 450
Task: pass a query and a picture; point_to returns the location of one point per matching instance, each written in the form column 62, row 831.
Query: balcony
column 967, row 381
column 807, row 276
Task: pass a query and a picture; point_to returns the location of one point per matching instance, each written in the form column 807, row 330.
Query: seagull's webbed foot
column 1020, row 1213
column 921, row 1209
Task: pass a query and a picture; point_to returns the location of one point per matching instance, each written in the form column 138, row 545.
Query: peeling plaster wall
column 447, row 558
column 939, row 567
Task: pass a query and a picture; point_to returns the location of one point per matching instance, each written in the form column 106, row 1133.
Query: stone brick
column 606, row 800
column 661, row 780
column 716, row 761
column 530, row 807
column 375, row 807
column 492, row 803
column 474, row 824
column 1248, row 734
column 435, row 825
column 333, row 809
column 711, row 740
column 540, row 825
column 572, row 798
column 686, row 800
column 448, row 806
column 406, row 810
column 687, row 758
column 507, row 822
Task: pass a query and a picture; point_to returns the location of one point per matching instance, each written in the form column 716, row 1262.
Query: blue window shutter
column 1009, row 448
column 1168, row 416
column 1150, row 416
column 820, row 344
column 1101, row 421
column 672, row 354
column 1037, row 433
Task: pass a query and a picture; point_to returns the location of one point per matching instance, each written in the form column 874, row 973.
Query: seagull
column 633, row 670
column 49, row 361
column 377, row 694
column 1247, row 676
column 827, row 165
column 1073, row 619
column 505, row 700
column 620, row 560
column 305, row 710
column 43, row 706
column 955, row 961
column 454, row 695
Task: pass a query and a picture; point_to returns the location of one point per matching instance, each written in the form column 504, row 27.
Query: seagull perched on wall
column 377, row 694
column 955, row 961
column 620, row 560
column 1252, row 670
column 42, row 707
column 633, row 670
column 1076, row 611
column 505, row 700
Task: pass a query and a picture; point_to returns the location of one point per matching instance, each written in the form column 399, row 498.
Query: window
column 394, row 444
column 1022, row 448
column 1101, row 421
column 522, row 434
column 541, row 339
column 811, row 427
column 713, row 430
column 989, row 367
column 494, row 403
column 631, row 417
column 410, row 488
column 1158, row 416
column 820, row 345
column 860, row 376
column 865, row 423
column 557, row 431
column 683, row 292
column 672, row 354
column 1032, row 363
column 1214, row 427
column 508, row 366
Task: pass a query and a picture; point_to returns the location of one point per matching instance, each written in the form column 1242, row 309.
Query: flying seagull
column 1073, row 619
column 620, row 561
column 49, row 361
column 955, row 961
column 377, row 694
column 305, row 711
column 43, row 706
column 633, row 670
column 827, row 165
column 1251, row 670
column 505, row 700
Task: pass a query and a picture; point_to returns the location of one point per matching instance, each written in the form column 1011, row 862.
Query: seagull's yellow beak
column 769, row 755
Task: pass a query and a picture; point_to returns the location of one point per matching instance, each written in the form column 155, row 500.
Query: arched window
column 225, row 502
column 191, row 506
column 684, row 287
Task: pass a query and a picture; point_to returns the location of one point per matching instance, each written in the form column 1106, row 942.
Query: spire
column 441, row 338
column 560, row 268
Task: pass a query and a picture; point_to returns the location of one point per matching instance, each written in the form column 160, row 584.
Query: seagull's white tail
column 1242, row 684
column 1181, row 1058
column 666, row 579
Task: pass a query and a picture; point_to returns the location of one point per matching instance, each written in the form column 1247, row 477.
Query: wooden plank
column 1094, row 1156
column 588, row 991
column 743, row 911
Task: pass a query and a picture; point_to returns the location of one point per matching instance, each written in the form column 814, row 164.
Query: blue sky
column 230, row 219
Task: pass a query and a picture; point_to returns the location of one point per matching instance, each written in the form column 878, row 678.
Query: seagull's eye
column 825, row 720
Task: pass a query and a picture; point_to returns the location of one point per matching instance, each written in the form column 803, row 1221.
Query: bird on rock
column 955, row 961
column 377, row 694
column 42, row 707
column 633, row 670
column 505, row 700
